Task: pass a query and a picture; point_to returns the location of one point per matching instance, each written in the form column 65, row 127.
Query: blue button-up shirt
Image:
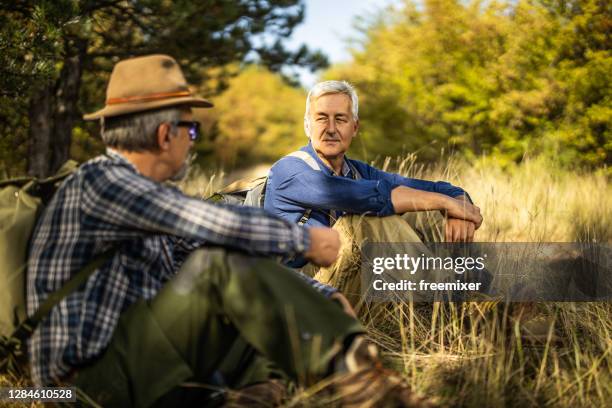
column 294, row 186
column 105, row 204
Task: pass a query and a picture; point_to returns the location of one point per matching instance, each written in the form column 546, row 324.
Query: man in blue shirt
column 323, row 184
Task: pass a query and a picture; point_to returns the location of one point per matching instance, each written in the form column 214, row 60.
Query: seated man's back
column 108, row 204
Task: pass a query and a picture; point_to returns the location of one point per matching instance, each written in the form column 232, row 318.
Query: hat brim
column 125, row 108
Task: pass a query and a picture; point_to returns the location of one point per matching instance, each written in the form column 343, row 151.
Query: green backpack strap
column 27, row 327
column 45, row 188
column 66, row 169
column 12, row 350
column 18, row 181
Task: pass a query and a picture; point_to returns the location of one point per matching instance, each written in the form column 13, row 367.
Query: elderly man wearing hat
column 187, row 294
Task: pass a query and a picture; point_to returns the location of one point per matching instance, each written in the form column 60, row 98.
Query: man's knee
column 429, row 225
column 360, row 228
column 198, row 270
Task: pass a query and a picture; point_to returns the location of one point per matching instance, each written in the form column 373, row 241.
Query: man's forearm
column 407, row 199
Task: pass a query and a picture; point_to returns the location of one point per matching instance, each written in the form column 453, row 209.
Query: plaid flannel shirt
column 105, row 204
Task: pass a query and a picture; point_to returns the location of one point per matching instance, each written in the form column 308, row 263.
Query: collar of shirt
column 346, row 169
column 118, row 157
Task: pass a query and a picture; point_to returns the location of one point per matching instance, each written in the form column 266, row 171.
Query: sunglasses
column 194, row 128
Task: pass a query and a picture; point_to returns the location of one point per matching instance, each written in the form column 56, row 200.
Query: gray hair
column 330, row 87
column 137, row 131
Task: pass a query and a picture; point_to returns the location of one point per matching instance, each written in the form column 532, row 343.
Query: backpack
column 252, row 192
column 21, row 202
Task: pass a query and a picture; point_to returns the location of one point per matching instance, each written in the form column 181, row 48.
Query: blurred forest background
column 504, row 80
column 510, row 99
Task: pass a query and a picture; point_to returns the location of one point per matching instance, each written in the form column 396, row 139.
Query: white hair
column 137, row 131
column 326, row 88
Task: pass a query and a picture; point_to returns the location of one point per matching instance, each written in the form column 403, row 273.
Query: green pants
column 218, row 302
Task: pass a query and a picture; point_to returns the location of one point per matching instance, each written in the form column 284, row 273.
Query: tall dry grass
column 476, row 355
column 531, row 202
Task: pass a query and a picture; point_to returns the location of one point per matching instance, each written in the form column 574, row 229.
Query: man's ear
column 163, row 136
column 356, row 127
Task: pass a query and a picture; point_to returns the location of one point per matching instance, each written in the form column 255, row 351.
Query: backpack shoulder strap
column 259, row 193
column 305, row 157
column 27, row 327
column 310, row 161
column 304, row 219
column 17, row 182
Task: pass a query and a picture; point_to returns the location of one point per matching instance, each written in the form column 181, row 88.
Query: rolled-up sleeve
column 322, row 288
column 294, row 182
column 441, row 187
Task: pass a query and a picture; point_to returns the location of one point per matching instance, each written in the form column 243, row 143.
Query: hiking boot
column 366, row 383
column 377, row 387
column 535, row 326
column 270, row 393
column 537, row 329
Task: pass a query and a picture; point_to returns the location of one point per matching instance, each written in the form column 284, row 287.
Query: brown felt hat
column 146, row 83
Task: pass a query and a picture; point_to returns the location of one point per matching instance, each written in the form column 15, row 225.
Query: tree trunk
column 41, row 127
column 66, row 105
column 53, row 112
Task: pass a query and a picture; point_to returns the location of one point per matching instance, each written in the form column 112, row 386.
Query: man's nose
column 331, row 127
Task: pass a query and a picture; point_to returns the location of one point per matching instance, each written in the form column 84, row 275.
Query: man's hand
column 346, row 305
column 463, row 210
column 459, row 230
column 324, row 246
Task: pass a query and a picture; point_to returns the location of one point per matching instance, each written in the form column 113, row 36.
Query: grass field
column 474, row 355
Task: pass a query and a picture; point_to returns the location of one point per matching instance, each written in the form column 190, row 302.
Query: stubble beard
column 182, row 173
